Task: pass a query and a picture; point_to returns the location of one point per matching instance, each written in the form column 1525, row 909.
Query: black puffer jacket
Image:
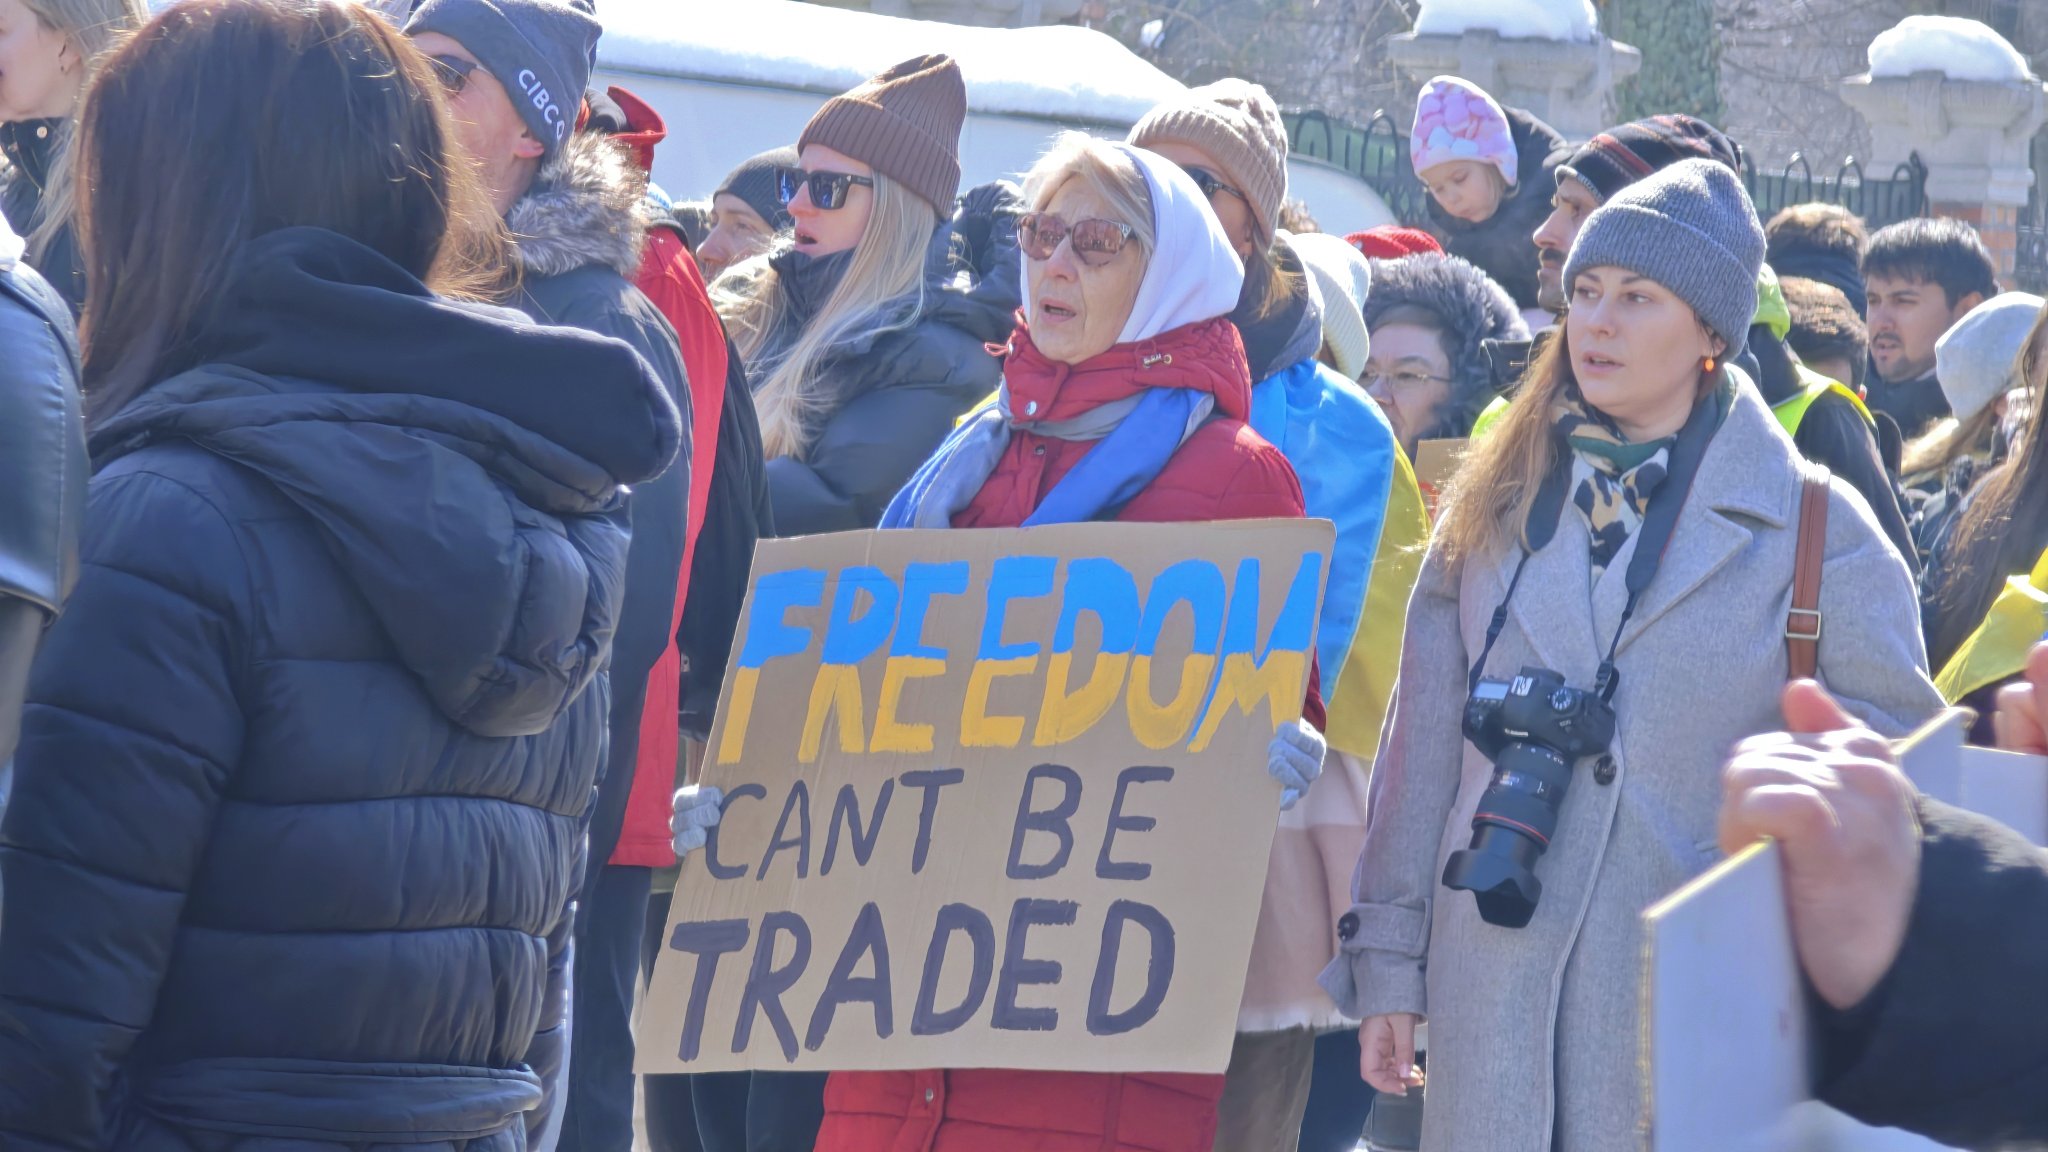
column 301, row 795
column 896, row 396
column 577, row 237
column 737, row 516
column 1504, row 244
column 31, row 148
column 42, row 461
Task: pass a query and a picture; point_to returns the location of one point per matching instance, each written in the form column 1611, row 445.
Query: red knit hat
column 1392, row 241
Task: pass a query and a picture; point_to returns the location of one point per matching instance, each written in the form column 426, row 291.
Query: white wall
column 712, row 126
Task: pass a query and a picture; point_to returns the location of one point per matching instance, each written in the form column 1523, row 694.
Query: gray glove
column 1295, row 759
column 697, row 809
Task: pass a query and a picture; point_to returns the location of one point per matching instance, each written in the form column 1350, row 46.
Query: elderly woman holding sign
column 1603, row 613
column 1124, row 398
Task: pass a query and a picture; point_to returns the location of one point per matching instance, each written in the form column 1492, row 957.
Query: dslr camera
column 1534, row 729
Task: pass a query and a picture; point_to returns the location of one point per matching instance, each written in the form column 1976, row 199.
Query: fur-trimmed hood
column 588, row 206
column 1472, row 308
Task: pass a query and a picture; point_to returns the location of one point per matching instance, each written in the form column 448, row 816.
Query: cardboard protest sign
column 1728, row 1043
column 993, row 799
column 1436, row 461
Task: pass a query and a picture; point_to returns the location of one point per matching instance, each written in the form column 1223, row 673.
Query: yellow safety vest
column 1813, row 386
column 1998, row 649
column 1489, row 416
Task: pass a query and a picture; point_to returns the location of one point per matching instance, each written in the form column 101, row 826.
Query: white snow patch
column 1524, row 19
column 1058, row 72
column 1955, row 47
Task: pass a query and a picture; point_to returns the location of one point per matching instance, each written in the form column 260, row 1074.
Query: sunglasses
column 454, row 72
column 1096, row 242
column 828, row 189
column 1211, row 184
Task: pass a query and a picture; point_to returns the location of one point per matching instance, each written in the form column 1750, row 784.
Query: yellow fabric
column 1367, row 683
column 1998, row 649
column 1813, row 386
column 1489, row 416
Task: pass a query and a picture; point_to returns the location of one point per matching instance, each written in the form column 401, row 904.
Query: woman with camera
column 1603, row 613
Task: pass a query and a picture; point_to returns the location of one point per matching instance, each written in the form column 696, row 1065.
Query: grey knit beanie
column 540, row 50
column 1689, row 227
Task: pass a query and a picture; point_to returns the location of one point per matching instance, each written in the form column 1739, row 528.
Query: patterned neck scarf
column 1612, row 479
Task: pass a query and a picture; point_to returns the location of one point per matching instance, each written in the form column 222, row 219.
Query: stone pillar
column 1972, row 135
column 1567, row 85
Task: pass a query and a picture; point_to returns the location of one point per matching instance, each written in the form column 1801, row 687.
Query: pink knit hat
column 1454, row 120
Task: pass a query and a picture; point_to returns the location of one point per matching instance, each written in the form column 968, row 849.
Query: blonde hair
column 1949, row 439
column 883, row 290
column 94, row 28
column 1104, row 169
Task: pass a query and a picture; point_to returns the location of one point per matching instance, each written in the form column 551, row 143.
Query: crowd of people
column 352, row 709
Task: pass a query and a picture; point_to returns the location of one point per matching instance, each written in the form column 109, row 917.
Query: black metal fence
column 1377, row 153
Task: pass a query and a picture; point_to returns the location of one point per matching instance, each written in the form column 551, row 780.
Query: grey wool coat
column 1533, row 1032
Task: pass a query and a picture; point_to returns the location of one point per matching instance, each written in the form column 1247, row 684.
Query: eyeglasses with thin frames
column 1405, row 381
column 828, row 189
column 1096, row 242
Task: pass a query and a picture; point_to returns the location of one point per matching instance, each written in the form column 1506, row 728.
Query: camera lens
column 1511, row 827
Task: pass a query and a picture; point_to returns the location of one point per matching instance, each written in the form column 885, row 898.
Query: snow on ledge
column 1572, row 20
column 1058, row 72
column 1955, row 47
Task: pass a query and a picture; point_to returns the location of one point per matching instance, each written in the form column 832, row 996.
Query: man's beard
column 1550, row 286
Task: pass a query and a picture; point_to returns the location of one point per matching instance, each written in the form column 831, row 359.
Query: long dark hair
column 223, row 120
column 2004, row 528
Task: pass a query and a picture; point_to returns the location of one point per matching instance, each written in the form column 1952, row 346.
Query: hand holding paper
column 1833, row 797
column 1295, row 759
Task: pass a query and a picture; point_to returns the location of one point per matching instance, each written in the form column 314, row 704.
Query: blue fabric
column 1342, row 449
column 307, row 763
column 1114, row 471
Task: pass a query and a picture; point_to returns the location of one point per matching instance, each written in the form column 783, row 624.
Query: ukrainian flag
column 1354, row 474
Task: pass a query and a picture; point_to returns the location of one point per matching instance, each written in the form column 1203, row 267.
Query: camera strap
column 1653, row 536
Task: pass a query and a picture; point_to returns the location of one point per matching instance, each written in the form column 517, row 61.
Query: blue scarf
column 1133, row 441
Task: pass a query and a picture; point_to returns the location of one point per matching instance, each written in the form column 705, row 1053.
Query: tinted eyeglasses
column 1096, row 242
column 828, row 189
column 1210, row 183
column 454, row 72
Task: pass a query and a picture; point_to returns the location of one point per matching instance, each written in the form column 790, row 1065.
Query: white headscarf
column 1194, row 274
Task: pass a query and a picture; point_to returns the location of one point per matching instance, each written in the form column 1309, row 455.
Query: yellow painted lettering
column 836, row 692
column 1064, row 715
column 740, row 709
column 1244, row 683
column 891, row 734
column 978, row 729
column 1157, row 726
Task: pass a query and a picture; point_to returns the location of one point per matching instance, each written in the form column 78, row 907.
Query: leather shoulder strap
column 1802, row 626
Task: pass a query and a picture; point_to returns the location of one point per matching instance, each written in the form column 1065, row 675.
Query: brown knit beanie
column 1238, row 124
column 906, row 123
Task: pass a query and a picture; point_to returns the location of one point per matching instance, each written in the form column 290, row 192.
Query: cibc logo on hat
column 544, row 103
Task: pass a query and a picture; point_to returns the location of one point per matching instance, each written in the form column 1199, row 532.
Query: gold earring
column 1710, row 364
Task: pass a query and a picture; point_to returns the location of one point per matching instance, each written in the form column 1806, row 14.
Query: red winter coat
column 669, row 277
column 1225, row 471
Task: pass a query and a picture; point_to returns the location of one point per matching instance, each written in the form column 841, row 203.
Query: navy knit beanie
column 540, row 50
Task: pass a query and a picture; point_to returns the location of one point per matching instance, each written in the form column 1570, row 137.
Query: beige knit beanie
column 906, row 123
column 1236, row 122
